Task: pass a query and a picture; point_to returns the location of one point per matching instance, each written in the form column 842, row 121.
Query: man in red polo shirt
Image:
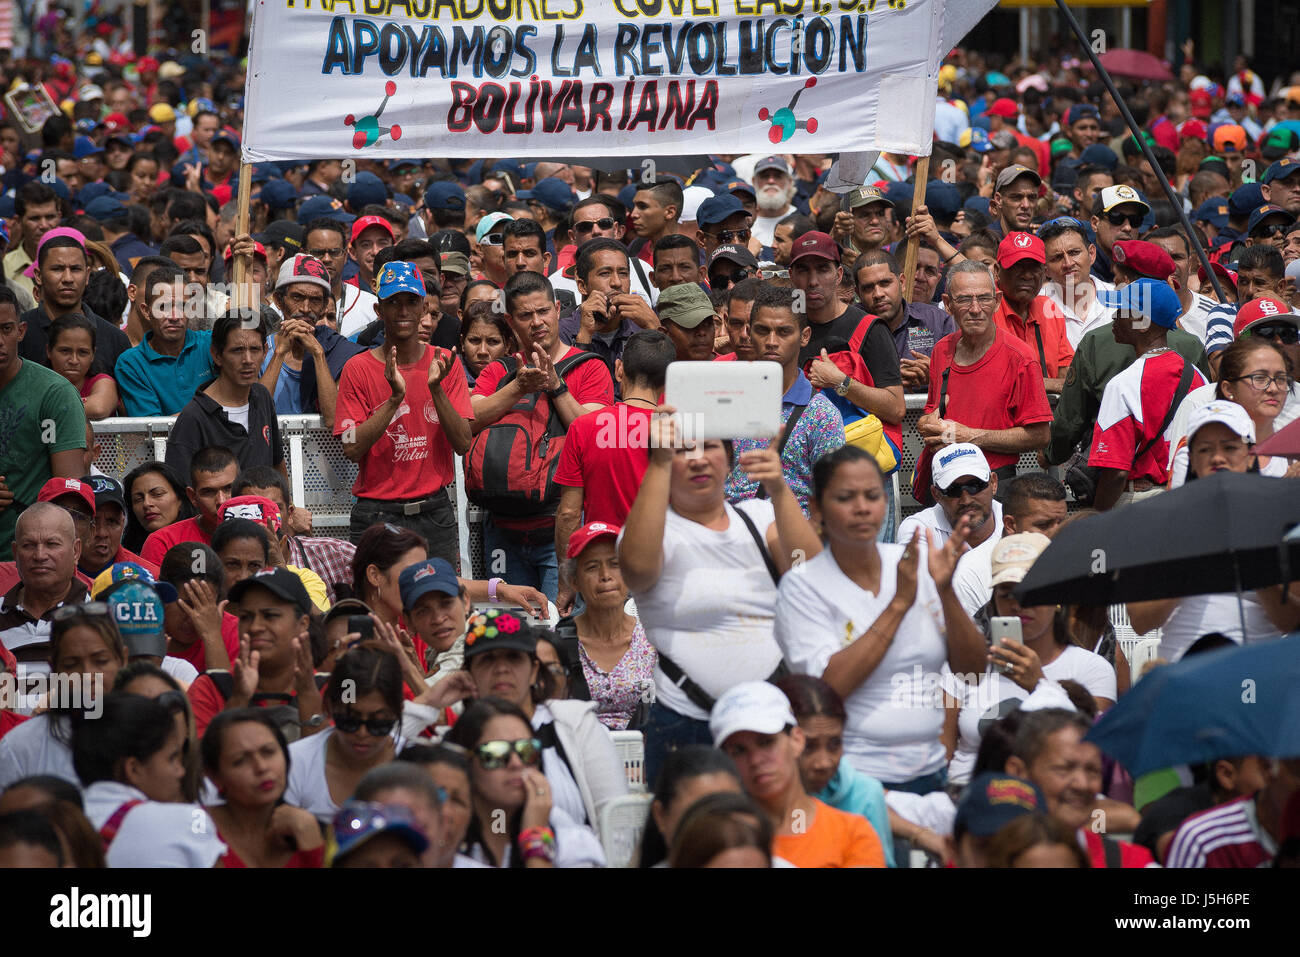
column 1035, row 320
column 1002, row 116
column 213, row 471
column 986, row 387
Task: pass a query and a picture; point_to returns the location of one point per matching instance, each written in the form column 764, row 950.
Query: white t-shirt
column 895, row 715
column 935, row 518
column 1194, row 320
column 649, row 293
column 1199, row 615
column 1180, row 456
column 575, row 845
column 31, row 749
column 764, row 228
column 153, row 834
column 973, row 579
column 180, row 669
column 996, row 696
column 1095, row 315
column 564, row 789
column 308, row 787
column 238, row 414
column 356, row 311
column 712, row 609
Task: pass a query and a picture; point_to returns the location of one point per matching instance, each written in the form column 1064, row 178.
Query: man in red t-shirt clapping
column 402, row 412
column 986, row 387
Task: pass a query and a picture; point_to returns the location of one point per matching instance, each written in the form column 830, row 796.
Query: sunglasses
column 494, row 755
column 1286, row 334
column 1119, row 219
column 587, row 226
column 732, row 235
column 1274, row 229
column 973, row 487
column 377, row 727
column 740, row 275
column 89, row 609
column 492, row 239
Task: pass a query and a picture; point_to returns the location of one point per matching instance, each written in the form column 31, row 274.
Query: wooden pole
column 242, row 299
column 913, row 246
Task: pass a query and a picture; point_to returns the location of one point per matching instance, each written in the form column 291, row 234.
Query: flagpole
column 913, row 244
column 241, row 228
column 1173, row 197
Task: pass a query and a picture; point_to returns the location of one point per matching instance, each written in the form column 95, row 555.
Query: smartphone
column 1000, row 628
column 364, row 625
column 725, row 400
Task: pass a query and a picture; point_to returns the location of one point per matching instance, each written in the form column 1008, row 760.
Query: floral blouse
column 618, row 692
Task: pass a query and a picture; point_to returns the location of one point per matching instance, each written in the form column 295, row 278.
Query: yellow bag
column 868, row 434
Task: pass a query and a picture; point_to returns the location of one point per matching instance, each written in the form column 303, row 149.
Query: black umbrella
column 1215, row 534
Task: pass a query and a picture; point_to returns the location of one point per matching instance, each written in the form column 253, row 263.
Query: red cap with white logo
column 1018, row 246
column 58, row 487
column 584, row 536
column 1263, row 310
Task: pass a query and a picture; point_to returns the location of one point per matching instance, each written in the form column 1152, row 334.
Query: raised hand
column 394, row 375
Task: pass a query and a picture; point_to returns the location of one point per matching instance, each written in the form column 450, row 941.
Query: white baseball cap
column 692, row 197
column 1225, row 413
column 750, row 706
column 953, row 461
column 1014, row 555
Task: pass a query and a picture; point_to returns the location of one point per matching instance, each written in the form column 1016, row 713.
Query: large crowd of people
column 819, row 678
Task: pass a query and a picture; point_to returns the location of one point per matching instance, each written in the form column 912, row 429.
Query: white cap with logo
column 953, row 461
column 1225, row 413
column 750, row 706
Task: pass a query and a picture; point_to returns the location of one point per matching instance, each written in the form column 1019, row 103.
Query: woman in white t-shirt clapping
column 1015, row 669
column 878, row 624
column 704, row 573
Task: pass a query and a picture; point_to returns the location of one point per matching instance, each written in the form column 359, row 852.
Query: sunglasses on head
column 377, row 727
column 1283, row 332
column 493, row 755
column 1119, row 219
column 89, row 609
column 492, row 239
column 973, row 487
column 605, row 222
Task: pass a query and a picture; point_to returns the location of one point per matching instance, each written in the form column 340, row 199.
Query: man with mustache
column 963, row 484
column 1033, row 319
column 774, row 188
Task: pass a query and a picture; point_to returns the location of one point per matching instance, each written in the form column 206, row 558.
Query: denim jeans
column 524, row 564
column 890, row 528
column 436, row 522
column 666, row 730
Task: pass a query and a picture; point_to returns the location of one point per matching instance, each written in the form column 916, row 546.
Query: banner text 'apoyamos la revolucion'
column 392, row 78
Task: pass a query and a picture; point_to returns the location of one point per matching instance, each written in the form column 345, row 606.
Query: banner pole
column 913, row 244
column 241, row 228
column 1136, row 130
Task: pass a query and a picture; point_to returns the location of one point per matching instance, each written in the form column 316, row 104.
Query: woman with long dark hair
column 155, row 496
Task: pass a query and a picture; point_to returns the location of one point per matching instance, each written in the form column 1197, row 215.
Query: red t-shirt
column 1047, row 316
column 197, row 655
column 312, row 858
column 1003, row 390
column 1040, row 149
column 605, row 454
column 412, row 459
column 160, row 542
column 725, row 357
column 1130, row 855
column 1132, row 408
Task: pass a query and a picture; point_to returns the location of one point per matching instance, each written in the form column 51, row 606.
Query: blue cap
column 61, row 189
column 1213, row 211
column 435, row 574
column 551, row 192
column 398, row 276
column 278, row 194
column 977, row 204
column 366, row 190
column 513, row 167
column 716, row 209
column 900, row 193
column 84, row 146
column 627, row 195
column 1150, row 299
column 395, row 165
column 324, row 207
column 1281, row 170
column 445, row 195
column 739, row 186
column 86, row 125
column 979, row 140
column 1244, row 200
column 8, row 207
column 92, row 191
column 226, row 136
column 104, row 208
column 993, row 800
column 1099, row 154
column 264, row 172
column 1265, row 211
column 137, row 609
column 401, row 199
column 114, row 575
column 359, row 821
column 530, row 170
column 943, row 200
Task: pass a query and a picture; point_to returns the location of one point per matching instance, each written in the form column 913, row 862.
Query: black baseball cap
column 106, row 489
column 280, row 582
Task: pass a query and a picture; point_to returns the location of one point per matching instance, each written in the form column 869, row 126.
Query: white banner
column 537, row 78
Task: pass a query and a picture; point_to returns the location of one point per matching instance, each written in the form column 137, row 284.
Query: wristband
column 492, row 588
column 537, row 842
column 558, row 390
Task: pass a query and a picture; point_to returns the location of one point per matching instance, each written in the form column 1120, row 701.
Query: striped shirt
column 1218, row 328
column 1229, row 835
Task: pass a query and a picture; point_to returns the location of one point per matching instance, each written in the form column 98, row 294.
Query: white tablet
column 725, row 400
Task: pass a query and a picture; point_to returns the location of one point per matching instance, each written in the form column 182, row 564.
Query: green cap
column 866, row 195
column 686, row 305
column 455, row 263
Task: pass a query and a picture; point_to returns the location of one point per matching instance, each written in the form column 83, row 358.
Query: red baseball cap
column 815, row 244
column 584, row 536
column 1262, row 310
column 115, row 122
column 1006, row 108
column 252, row 507
column 1144, row 258
column 365, row 222
column 1018, row 246
column 1202, row 104
column 59, row 487
column 259, row 250
column 1223, row 272
column 1193, row 129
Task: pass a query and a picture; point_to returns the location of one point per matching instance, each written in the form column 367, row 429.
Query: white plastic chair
column 1129, row 640
column 622, row 822
column 1146, row 651
column 630, row 746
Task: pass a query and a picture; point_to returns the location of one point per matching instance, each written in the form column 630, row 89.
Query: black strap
column 762, row 549
column 547, row 735
column 1184, row 386
column 697, row 695
column 640, row 272
column 785, row 437
column 943, row 393
column 1042, row 356
column 1111, row 850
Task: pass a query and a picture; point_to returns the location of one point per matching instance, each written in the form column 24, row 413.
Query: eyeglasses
column 1119, row 219
column 732, row 235
column 78, row 516
column 89, row 609
column 494, row 755
column 985, row 300
column 492, row 239
column 326, row 253
column 740, row 275
column 1274, row 229
column 1283, row 332
column 377, row 727
column 1262, row 380
column 973, row 487
column 605, row 222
